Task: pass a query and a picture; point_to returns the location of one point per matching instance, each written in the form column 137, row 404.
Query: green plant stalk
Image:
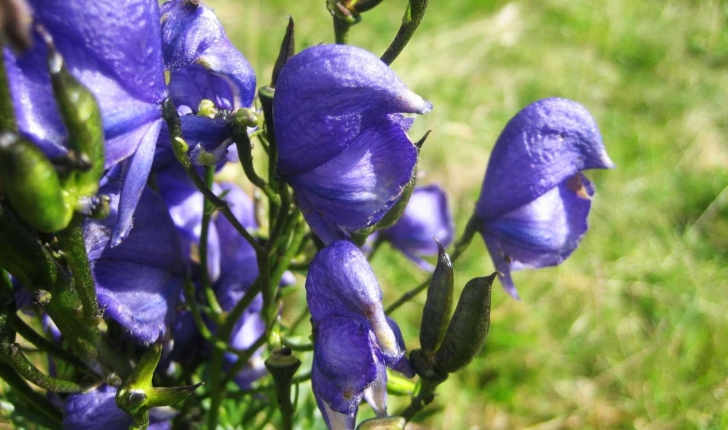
column 290, row 252
column 424, row 396
column 341, row 30
column 411, row 20
column 242, row 142
column 243, row 358
column 46, row 345
column 14, row 357
column 70, row 241
column 207, row 211
column 459, row 248
column 36, row 400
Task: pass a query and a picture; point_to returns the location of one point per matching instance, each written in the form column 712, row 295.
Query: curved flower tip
column 534, row 203
column 138, row 281
column 204, row 64
column 97, row 409
column 353, row 340
column 426, row 217
column 341, row 134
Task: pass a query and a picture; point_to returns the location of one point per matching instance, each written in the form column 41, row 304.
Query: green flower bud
column 438, row 306
column 468, row 328
column 206, row 108
column 82, row 118
column 32, row 186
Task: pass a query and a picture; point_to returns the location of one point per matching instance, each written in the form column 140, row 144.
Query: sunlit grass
column 631, row 332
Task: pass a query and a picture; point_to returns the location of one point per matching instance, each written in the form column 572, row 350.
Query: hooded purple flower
column 124, row 73
column 138, row 281
column 353, row 340
column 426, row 217
column 341, row 135
column 96, row 409
column 535, row 201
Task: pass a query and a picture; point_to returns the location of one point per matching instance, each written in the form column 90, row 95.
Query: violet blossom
column 341, row 134
column 535, row 200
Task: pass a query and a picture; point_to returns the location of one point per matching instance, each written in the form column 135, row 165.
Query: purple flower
column 125, row 74
column 353, row 340
column 203, row 62
column 96, row 409
column 426, row 217
column 535, row 201
column 341, row 135
column 138, row 281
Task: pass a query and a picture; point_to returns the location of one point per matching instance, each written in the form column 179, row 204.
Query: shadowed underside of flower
column 353, row 340
column 341, row 135
column 534, row 203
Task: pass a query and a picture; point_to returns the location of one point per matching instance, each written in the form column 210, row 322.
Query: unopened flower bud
column 468, row 328
column 32, row 186
column 438, row 306
column 207, row 108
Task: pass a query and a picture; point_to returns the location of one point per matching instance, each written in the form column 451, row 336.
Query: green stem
column 424, row 396
column 341, row 30
column 14, row 357
column 411, row 20
column 207, row 211
column 35, row 400
column 70, row 241
column 459, row 248
column 242, row 142
column 46, row 345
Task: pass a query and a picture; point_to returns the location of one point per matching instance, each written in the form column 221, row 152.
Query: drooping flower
column 138, row 281
column 353, row 340
column 96, row 409
column 341, row 133
column 535, row 200
column 426, row 217
column 124, row 73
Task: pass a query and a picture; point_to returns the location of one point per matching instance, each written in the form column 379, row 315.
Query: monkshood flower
column 124, row 73
column 203, row 62
column 426, row 217
column 138, row 281
column 341, row 133
column 535, row 200
column 96, row 409
column 353, row 340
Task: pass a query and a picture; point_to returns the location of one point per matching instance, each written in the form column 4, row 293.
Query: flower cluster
column 120, row 116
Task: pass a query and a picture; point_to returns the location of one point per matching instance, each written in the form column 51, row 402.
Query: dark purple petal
column 542, row 233
column 138, row 281
column 356, row 188
column 326, row 96
column 425, row 218
column 544, row 144
column 338, row 412
column 401, row 365
column 97, row 409
column 199, row 54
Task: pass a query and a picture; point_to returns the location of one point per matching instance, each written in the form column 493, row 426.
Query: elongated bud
column 468, row 328
column 81, row 115
column 438, row 306
column 32, row 186
column 288, row 49
column 388, row 423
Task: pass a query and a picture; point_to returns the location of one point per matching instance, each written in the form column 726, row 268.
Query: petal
column 138, row 281
column 326, row 96
column 376, row 394
column 356, row 188
column 426, row 217
column 196, row 48
column 340, row 282
column 338, row 412
column 543, row 145
column 344, row 354
column 544, row 232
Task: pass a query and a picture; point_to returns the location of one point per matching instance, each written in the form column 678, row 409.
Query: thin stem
column 36, row 400
column 301, row 318
column 46, row 345
column 207, row 211
column 294, row 346
column 242, row 142
column 341, row 30
column 411, row 20
column 459, row 248
column 424, row 397
column 14, row 357
column 243, row 359
column 70, row 241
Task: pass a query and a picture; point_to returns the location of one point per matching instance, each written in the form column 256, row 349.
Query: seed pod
column 31, row 185
column 82, row 118
column 438, row 306
column 468, row 328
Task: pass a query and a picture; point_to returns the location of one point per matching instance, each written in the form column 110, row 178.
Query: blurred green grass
column 632, row 331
